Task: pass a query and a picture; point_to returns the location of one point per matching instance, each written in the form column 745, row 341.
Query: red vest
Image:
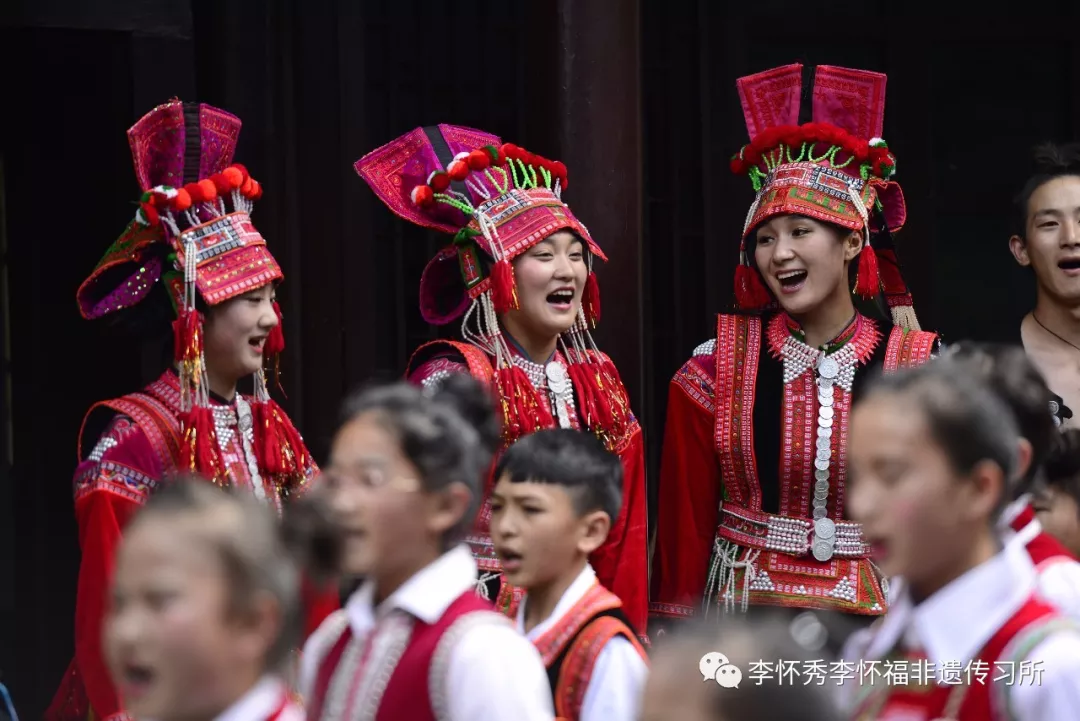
column 981, row 699
column 572, row 646
column 408, row 681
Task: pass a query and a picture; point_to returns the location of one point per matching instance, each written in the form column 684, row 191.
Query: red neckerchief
column 1025, row 517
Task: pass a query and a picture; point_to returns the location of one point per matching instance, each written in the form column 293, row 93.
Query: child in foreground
column 932, row 453
column 1010, row 373
column 1058, row 505
column 206, row 610
column 682, row 684
column 414, row 641
column 557, row 492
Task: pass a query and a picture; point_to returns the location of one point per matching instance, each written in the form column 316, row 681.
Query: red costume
column 500, row 200
column 751, row 498
column 196, row 237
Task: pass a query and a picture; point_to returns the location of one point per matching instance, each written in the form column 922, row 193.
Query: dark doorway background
column 637, row 96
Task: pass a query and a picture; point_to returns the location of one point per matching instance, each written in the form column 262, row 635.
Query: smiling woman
column 751, row 502
column 193, row 241
column 519, row 274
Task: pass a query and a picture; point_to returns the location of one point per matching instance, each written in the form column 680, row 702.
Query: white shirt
column 493, row 673
column 955, row 623
column 262, row 702
column 1058, row 579
column 618, row 677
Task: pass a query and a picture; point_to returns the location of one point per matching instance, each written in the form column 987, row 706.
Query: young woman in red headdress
column 520, row 271
column 191, row 245
column 751, row 500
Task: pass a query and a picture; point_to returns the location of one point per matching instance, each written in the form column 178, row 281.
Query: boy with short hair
column 1058, row 505
column 556, row 494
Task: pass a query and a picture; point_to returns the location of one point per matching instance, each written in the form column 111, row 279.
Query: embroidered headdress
column 498, row 200
column 193, row 232
column 816, row 150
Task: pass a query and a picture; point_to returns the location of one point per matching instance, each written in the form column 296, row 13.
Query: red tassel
column 200, row 452
column 503, row 293
column 186, row 336
column 750, row 290
column 591, row 299
column 867, row 280
column 275, row 343
column 523, row 413
column 284, row 452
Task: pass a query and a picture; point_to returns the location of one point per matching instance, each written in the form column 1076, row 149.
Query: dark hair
column 755, row 644
column 1009, row 372
column 448, row 431
column 969, row 421
column 1063, row 465
column 575, row 460
column 1048, row 161
column 259, row 553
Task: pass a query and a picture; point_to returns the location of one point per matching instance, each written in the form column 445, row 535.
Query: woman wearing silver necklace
column 1048, row 241
column 519, row 276
column 751, row 501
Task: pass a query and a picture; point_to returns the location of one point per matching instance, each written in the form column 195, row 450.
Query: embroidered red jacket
column 137, row 450
column 739, row 436
column 622, row 562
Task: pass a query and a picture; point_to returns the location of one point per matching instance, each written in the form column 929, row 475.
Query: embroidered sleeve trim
column 697, row 385
column 115, row 478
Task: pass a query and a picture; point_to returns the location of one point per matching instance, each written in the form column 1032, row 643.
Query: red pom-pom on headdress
column 181, row 201
column 233, row 176
column 209, row 190
column 479, row 160
column 221, row 183
column 195, row 191
column 439, row 181
column 458, row 170
column 422, row 196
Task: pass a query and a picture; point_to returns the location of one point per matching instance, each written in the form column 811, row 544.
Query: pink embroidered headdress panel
column 816, row 150
column 493, row 197
column 193, row 232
